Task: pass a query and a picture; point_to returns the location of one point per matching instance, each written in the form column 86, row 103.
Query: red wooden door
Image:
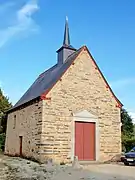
column 20, row 137
column 85, row 140
column 89, row 141
column 79, row 140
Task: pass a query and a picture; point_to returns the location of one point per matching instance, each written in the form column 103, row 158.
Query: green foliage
column 4, row 106
column 128, row 143
column 127, row 124
column 2, row 141
column 128, row 138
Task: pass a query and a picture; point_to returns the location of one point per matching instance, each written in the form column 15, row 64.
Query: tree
column 127, row 129
column 4, row 106
column 127, row 123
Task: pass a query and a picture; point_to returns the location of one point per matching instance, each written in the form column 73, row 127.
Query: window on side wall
column 14, row 125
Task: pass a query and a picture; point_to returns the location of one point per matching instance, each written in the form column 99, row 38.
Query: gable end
column 107, row 85
column 119, row 104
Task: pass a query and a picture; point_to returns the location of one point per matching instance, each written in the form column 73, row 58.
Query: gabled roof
column 49, row 78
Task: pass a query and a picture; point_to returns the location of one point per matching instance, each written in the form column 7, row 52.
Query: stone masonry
column 29, row 125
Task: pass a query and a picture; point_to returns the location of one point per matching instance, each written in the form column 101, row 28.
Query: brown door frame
column 21, row 139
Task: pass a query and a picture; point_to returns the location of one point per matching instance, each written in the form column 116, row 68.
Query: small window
column 14, row 125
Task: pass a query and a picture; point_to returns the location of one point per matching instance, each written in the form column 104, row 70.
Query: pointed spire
column 66, row 41
column 66, row 49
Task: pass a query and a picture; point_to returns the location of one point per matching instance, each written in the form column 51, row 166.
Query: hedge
column 128, row 144
column 2, row 141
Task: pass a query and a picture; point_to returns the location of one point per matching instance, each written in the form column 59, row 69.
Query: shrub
column 2, row 141
column 128, row 144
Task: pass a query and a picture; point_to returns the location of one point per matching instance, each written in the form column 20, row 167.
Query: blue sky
column 32, row 30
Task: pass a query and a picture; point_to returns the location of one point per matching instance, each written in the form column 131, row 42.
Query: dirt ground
column 21, row 169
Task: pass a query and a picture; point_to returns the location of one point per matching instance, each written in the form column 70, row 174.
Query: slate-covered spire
column 66, row 41
column 66, row 49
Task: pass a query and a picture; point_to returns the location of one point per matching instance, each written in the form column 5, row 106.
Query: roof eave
column 23, row 105
column 66, row 47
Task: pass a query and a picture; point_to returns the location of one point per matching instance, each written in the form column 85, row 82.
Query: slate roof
column 46, row 80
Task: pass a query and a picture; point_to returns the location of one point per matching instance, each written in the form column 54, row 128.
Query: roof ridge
column 40, row 75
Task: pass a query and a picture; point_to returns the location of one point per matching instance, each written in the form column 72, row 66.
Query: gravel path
column 20, row 169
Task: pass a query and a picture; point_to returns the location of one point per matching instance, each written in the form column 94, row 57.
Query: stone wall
column 81, row 88
column 29, row 125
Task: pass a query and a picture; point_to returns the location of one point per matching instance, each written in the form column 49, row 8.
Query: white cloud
column 22, row 22
column 122, row 83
